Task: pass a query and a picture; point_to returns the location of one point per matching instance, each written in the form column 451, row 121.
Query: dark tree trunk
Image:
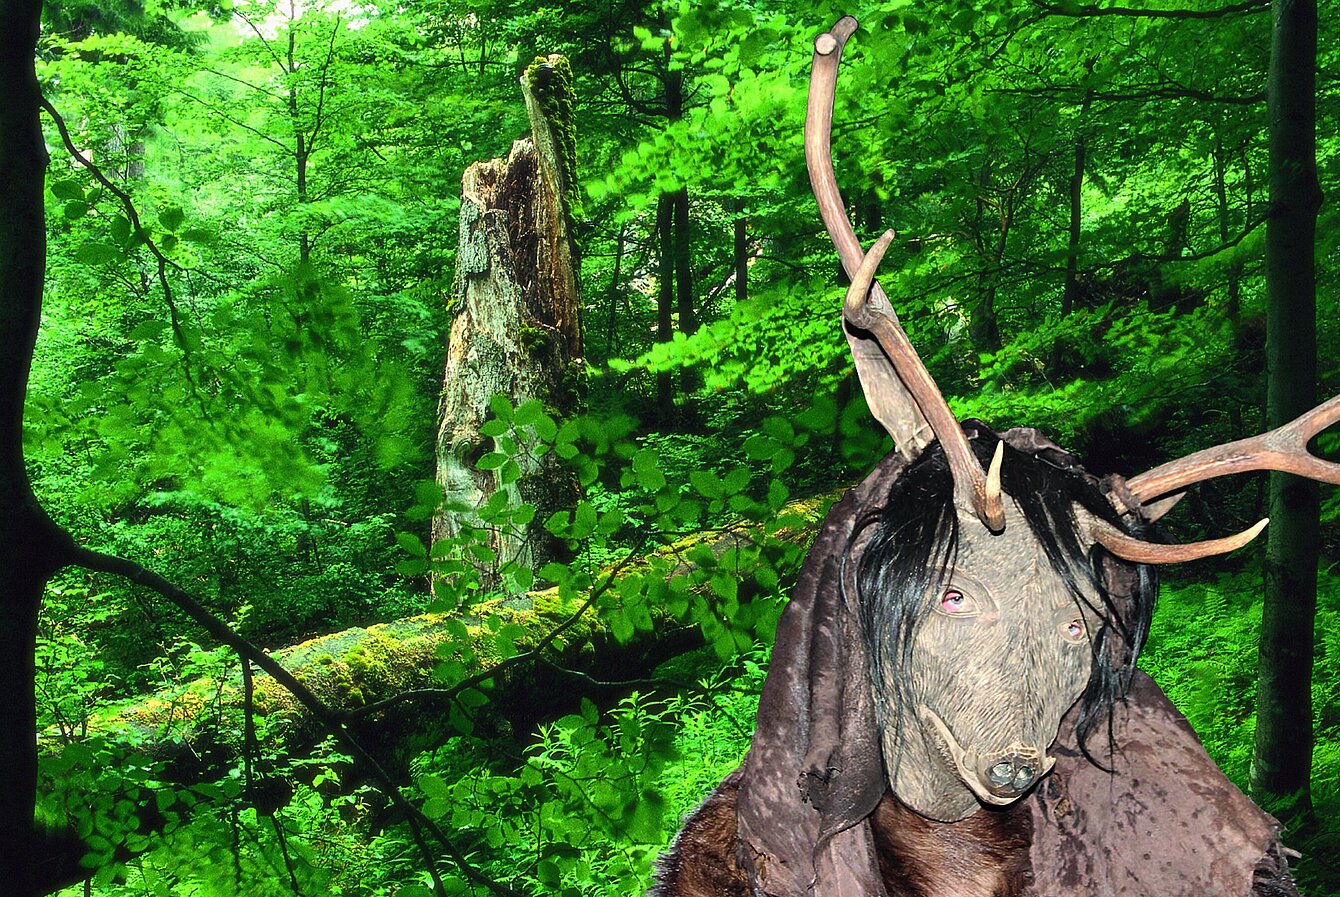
column 1283, row 756
column 1233, row 307
column 688, row 321
column 615, row 290
column 1070, row 291
column 983, row 329
column 741, row 252
column 665, row 301
column 31, row 546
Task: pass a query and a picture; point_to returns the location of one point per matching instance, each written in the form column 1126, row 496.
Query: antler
column 1283, row 449
column 867, row 307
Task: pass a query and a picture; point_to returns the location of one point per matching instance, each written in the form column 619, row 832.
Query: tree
column 517, row 331
column 1282, row 762
column 31, row 544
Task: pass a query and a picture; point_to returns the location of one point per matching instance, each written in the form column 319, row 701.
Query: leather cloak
column 1163, row 822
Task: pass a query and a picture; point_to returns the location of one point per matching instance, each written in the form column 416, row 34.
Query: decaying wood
column 357, row 667
column 516, row 331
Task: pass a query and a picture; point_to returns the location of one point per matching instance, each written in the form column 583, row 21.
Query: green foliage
column 239, row 390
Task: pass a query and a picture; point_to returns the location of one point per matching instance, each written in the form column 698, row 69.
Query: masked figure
column 953, row 707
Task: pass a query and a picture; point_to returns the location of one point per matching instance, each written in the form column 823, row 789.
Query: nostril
column 1012, row 774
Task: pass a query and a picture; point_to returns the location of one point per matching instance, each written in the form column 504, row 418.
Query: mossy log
column 199, row 722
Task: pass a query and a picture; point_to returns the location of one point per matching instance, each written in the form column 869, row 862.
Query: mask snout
column 1011, row 772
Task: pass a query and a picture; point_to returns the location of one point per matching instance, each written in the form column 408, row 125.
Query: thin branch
column 234, row 121
column 1070, row 95
column 141, row 231
column 242, row 81
column 321, row 89
column 332, row 721
column 264, row 41
column 1093, row 10
column 534, row 654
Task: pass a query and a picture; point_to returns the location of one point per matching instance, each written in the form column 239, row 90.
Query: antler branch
column 889, row 400
column 866, row 306
column 970, row 484
column 1141, row 552
column 1283, row 449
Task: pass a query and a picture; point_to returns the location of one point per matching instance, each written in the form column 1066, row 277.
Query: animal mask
column 974, row 678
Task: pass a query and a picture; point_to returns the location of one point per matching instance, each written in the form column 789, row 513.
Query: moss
column 550, row 81
column 533, row 339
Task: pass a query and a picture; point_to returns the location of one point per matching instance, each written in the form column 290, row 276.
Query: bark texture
column 1283, row 756
column 517, row 328
column 31, row 546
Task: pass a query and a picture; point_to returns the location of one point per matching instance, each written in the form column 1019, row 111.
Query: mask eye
column 955, row 603
column 1073, row 630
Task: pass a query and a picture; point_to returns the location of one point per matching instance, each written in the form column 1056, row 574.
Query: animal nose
column 1013, row 772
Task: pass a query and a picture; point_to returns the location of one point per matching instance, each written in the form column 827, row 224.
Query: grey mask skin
column 999, row 656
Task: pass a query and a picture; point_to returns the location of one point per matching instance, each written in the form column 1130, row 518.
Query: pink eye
column 953, row 602
column 1075, row 629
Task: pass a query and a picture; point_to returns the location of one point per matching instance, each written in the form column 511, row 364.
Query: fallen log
column 427, row 673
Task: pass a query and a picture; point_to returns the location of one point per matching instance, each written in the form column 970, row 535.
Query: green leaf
column 584, row 520
column 528, row 413
column 492, row 461
column 67, row 189
column 95, row 253
column 554, row 571
column 707, row 483
column 646, row 469
column 171, row 217
column 120, row 230
column 411, row 544
column 501, row 407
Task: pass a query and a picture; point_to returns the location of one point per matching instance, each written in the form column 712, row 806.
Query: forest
column 413, row 416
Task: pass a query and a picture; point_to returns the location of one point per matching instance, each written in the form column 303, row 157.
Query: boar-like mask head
column 981, row 642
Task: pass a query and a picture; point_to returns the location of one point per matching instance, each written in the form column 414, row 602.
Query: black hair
column 914, row 545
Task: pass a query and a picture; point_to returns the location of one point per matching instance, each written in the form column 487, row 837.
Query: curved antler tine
column 889, row 400
column 1283, row 449
column 970, row 484
column 818, row 142
column 1130, row 548
column 857, row 308
column 995, row 507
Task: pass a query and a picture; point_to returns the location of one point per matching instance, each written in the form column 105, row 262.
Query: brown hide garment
column 1165, row 823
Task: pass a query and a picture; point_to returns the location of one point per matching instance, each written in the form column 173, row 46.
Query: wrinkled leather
column 1165, row 821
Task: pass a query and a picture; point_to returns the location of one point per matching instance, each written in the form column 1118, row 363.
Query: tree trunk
column 688, row 320
column 362, row 666
column 665, row 302
column 741, row 253
column 1070, row 291
column 615, row 290
column 1283, row 756
column 983, row 329
column 1233, row 307
column 31, row 546
column 517, row 332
